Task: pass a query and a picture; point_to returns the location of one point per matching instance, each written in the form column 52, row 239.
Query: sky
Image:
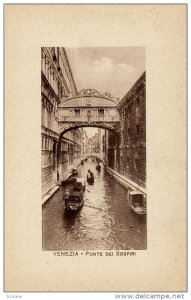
column 104, row 69
column 91, row 131
column 112, row 70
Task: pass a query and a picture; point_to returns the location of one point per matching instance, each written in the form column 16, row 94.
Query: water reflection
column 105, row 222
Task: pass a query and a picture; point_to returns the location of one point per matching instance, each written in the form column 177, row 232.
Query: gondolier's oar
column 93, row 207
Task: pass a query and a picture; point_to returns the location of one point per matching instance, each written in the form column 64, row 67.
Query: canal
column 105, row 222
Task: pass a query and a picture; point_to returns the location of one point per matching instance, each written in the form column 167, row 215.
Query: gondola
column 74, row 199
column 72, row 177
column 90, row 178
column 90, row 181
column 137, row 203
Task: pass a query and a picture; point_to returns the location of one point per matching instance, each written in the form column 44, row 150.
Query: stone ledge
column 126, row 182
column 50, row 193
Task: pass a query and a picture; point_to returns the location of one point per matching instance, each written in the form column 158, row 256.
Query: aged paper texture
column 161, row 29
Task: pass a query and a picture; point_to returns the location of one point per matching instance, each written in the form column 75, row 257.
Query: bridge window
column 76, row 112
column 101, row 112
column 88, row 101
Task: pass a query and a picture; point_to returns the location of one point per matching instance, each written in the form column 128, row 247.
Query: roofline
column 70, row 69
column 83, row 96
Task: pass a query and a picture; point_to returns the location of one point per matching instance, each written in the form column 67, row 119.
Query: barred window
column 77, row 112
column 100, row 112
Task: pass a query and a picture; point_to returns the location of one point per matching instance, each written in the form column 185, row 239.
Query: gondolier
column 98, row 167
column 90, row 177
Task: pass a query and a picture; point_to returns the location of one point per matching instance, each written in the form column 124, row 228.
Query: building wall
column 70, row 152
column 56, row 82
column 126, row 153
column 84, row 141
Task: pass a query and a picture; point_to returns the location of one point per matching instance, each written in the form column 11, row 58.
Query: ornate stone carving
column 89, row 92
column 93, row 92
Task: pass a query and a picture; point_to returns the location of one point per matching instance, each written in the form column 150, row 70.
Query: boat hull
column 137, row 203
column 90, row 181
column 138, row 210
column 74, row 197
column 73, row 207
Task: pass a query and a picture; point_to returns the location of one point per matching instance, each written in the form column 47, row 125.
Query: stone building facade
column 56, row 82
column 126, row 152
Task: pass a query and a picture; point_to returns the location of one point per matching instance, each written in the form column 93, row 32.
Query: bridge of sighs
column 88, row 108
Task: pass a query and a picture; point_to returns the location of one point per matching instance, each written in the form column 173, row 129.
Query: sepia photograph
column 93, row 107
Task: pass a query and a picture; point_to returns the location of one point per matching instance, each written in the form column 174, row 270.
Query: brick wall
column 127, row 153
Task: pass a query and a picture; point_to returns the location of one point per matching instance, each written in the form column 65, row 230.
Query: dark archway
column 112, row 128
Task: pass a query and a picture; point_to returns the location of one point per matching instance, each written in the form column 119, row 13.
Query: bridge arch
column 73, row 126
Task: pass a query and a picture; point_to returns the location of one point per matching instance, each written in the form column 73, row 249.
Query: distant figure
column 58, row 175
column 90, row 177
column 74, row 172
column 98, row 167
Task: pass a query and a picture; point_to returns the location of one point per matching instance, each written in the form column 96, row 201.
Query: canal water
column 105, row 222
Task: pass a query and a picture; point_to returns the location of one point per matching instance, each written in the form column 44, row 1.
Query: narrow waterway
column 105, row 222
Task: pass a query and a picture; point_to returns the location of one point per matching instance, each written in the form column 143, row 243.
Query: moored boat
column 137, row 202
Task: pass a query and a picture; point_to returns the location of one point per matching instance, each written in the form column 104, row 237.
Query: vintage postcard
column 95, row 148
